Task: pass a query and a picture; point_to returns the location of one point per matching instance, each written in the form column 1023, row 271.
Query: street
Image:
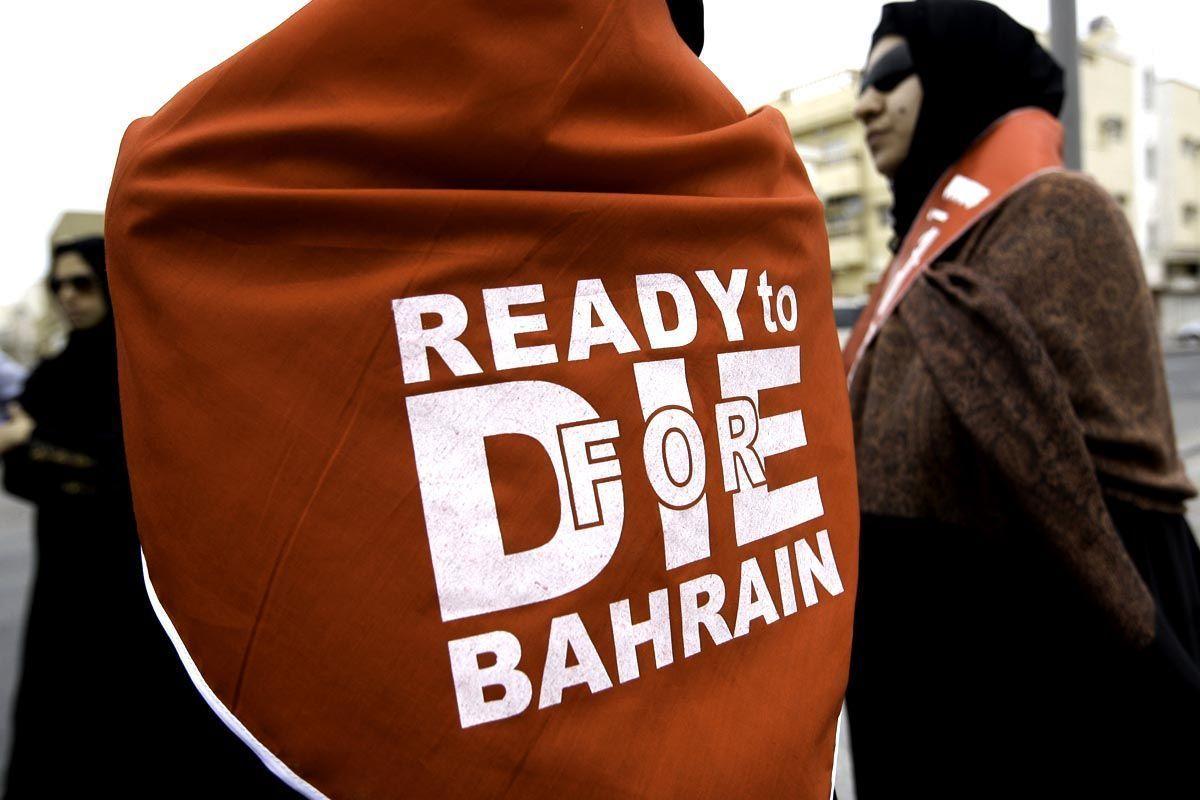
column 16, row 547
column 16, row 564
column 1183, row 376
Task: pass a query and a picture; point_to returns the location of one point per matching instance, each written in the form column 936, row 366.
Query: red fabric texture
column 261, row 226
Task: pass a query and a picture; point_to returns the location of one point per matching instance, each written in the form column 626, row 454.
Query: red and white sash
column 1017, row 148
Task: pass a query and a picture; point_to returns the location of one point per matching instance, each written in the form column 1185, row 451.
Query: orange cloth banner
column 484, row 412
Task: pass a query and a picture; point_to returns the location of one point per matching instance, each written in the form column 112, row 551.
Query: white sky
column 74, row 74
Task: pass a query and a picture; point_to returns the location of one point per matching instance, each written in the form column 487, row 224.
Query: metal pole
column 1064, row 44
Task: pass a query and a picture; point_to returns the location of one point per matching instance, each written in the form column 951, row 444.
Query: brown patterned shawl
column 1019, row 383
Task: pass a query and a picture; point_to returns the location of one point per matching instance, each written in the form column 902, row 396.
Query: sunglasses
column 82, row 284
column 892, row 67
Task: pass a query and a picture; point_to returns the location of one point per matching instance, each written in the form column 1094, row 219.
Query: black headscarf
column 975, row 64
column 92, row 350
column 91, row 250
column 75, row 393
column 688, row 16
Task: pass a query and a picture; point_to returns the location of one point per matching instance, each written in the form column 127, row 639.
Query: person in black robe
column 62, row 452
column 1028, row 611
column 103, row 702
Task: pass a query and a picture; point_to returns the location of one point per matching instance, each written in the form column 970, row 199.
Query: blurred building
column 74, row 225
column 856, row 197
column 1108, row 115
column 1173, row 228
column 1141, row 141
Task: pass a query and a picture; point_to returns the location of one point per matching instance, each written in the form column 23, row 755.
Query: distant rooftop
column 843, row 79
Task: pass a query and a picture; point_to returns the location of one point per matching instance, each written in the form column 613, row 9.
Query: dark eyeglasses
column 82, row 284
column 892, row 67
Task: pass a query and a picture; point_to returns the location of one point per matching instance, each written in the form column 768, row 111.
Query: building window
column 843, row 215
column 1151, row 163
column 1190, row 213
column 885, row 216
column 1112, row 130
column 1191, row 147
column 834, row 151
column 1152, row 236
column 1149, row 83
column 1188, row 271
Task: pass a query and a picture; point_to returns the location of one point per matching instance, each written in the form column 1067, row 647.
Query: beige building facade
column 1141, row 142
column 1107, row 111
column 1178, row 155
column 856, row 197
column 1173, row 229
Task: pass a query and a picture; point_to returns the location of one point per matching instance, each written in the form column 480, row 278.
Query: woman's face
column 78, row 291
column 889, row 112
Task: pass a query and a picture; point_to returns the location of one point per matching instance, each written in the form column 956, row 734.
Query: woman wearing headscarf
column 1027, row 619
column 62, row 452
column 102, row 703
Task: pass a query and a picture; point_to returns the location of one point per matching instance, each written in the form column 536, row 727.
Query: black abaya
column 104, row 703
column 983, row 675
